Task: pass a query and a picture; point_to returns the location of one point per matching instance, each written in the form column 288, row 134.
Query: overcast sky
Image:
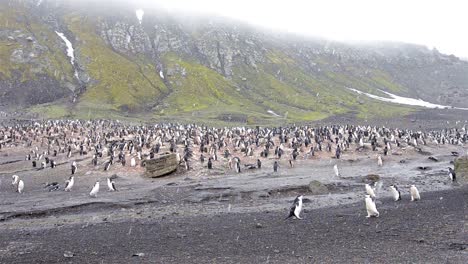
column 442, row 24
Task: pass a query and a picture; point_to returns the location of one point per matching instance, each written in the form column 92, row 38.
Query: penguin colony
column 109, row 144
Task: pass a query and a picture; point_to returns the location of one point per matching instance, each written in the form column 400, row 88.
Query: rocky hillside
column 65, row 58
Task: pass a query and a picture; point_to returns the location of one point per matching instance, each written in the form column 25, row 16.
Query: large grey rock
column 317, row 188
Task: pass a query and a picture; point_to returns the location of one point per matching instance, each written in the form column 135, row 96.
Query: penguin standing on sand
column 395, row 193
column 107, row 166
column 238, row 167
column 452, row 174
column 379, row 161
column 111, row 185
column 95, row 190
column 370, row 207
column 414, row 193
column 69, row 183
column 296, row 208
column 259, row 163
column 210, row 163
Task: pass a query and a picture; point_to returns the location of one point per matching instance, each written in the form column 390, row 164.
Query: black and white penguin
column 370, row 207
column 34, row 164
column 73, row 167
column 53, row 164
column 107, row 166
column 414, row 193
column 95, row 190
column 238, row 167
column 210, row 163
column 111, row 185
column 452, row 174
column 43, row 165
column 296, row 208
column 275, row 166
column 395, row 193
column 69, row 183
column 259, row 163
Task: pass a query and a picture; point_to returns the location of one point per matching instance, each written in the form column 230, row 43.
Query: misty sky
column 440, row 24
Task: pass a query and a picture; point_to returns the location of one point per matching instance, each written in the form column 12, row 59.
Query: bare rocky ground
column 218, row 216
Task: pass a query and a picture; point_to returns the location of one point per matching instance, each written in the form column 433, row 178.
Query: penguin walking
column 132, row 162
column 69, row 183
column 296, row 208
column 414, row 193
column 395, row 193
column 275, row 166
column 370, row 191
column 73, row 168
column 20, row 186
column 452, row 174
column 53, row 164
column 111, row 185
column 370, row 207
column 95, row 190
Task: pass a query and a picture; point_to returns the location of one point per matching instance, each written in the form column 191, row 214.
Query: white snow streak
column 404, row 100
column 273, row 113
column 70, row 50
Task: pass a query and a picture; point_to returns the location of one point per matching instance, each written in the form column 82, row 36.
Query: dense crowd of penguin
column 110, row 143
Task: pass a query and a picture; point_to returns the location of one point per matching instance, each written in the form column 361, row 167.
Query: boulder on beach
column 461, row 168
column 317, row 188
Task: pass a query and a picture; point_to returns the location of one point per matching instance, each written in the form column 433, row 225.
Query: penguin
column 107, row 166
column 275, row 166
column 296, row 208
column 69, row 183
column 95, row 190
column 395, row 192
column 379, row 161
column 414, row 193
column 291, row 164
column 20, row 186
column 259, row 163
column 452, row 174
column 53, row 164
column 238, row 167
column 111, row 185
column 337, row 172
column 370, row 207
column 132, row 162
column 34, row 164
column 210, row 163
column 43, row 165
column 370, row 191
column 73, row 168
column 15, row 180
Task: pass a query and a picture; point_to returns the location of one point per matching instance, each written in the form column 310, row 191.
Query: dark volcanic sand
column 428, row 231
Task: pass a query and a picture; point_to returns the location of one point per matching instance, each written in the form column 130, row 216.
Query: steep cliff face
column 62, row 58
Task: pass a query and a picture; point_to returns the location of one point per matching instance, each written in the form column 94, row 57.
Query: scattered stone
column 258, row 225
column 140, row 255
column 68, row 254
